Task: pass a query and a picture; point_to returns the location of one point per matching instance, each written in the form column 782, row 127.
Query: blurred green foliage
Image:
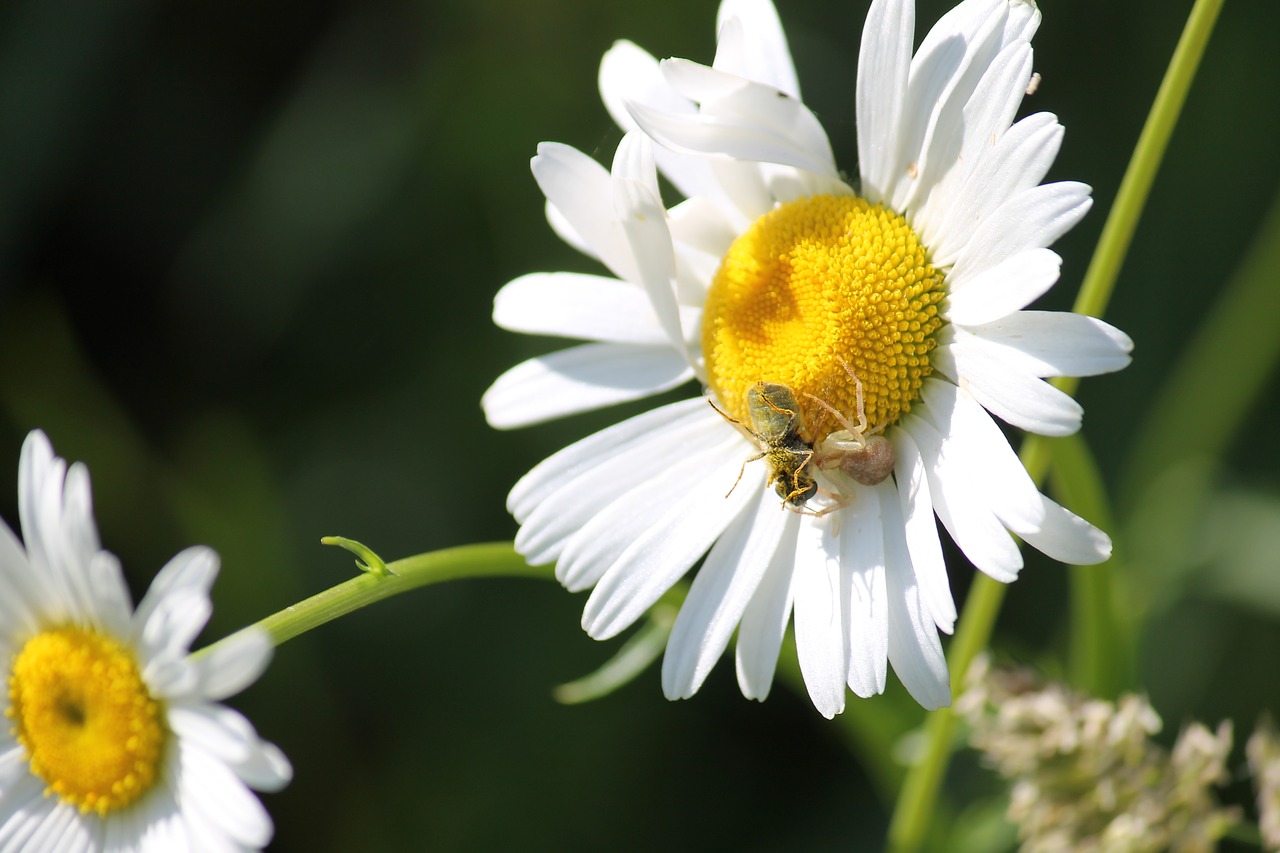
column 247, row 254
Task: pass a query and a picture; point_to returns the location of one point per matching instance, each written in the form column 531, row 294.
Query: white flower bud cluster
column 1085, row 773
column 1263, row 751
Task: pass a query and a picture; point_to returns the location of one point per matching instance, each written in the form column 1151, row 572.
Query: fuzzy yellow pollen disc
column 812, row 286
column 80, row 709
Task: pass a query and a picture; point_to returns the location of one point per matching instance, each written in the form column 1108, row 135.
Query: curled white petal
column 751, row 44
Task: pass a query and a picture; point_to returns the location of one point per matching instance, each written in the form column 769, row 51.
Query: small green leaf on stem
column 372, row 563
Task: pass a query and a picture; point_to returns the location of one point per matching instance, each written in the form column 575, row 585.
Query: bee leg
column 722, row 413
column 741, row 470
column 776, row 407
column 796, row 488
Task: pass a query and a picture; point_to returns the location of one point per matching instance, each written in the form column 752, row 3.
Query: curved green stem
column 911, row 820
column 493, row 559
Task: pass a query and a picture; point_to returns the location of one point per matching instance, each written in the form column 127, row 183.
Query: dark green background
column 247, row 257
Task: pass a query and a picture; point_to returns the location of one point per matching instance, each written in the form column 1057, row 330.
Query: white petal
column 1000, row 290
column 560, row 225
column 170, row 674
column 597, row 475
column 644, row 220
column 40, row 491
column 233, row 664
column 629, row 73
column 1020, row 159
column 204, row 834
column 752, row 44
column 862, row 571
column 77, row 546
column 60, row 830
column 608, row 525
column 1048, row 343
column 160, row 828
column 266, row 769
column 24, row 808
column 914, row 649
column 215, row 729
column 973, row 526
column 579, row 188
column 176, row 606
column 224, row 800
column 574, row 305
column 1024, row 20
column 986, row 117
column 551, row 474
column 725, row 583
column 764, row 623
column 821, row 643
column 997, row 478
column 13, row 767
column 740, row 120
column 746, row 188
column 658, row 557
column 16, row 595
column 944, row 72
column 921, row 531
column 228, row 736
column 114, row 606
column 1033, row 219
column 884, row 61
column 1017, row 397
column 580, row 379
column 700, row 224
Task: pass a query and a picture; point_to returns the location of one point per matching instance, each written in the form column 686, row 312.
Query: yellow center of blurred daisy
column 84, row 716
column 815, row 285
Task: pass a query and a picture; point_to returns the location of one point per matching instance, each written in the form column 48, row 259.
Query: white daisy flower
column 114, row 739
column 894, row 308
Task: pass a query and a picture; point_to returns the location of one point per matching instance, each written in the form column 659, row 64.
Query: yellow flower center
column 81, row 711
column 814, row 286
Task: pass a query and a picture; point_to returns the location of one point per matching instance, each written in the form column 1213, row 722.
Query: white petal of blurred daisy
column 115, row 740
column 907, row 292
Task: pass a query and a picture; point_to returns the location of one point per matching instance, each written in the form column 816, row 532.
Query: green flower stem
column 911, row 820
column 917, row 803
column 1102, row 645
column 636, row 655
column 495, row 559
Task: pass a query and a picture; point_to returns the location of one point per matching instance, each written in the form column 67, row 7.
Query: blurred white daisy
column 114, row 739
column 900, row 299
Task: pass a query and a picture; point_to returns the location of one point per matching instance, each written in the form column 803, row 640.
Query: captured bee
column 775, row 425
column 862, row 454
